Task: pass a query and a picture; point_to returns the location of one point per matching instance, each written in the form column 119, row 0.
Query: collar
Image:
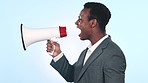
column 93, row 47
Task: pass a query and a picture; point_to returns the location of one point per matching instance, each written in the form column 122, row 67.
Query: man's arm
column 64, row 68
column 114, row 70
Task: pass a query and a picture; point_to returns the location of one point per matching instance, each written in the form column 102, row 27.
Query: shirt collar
column 93, row 47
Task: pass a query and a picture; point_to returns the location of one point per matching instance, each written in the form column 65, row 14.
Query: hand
column 53, row 47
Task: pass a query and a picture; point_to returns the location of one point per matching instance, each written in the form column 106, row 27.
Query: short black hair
column 99, row 12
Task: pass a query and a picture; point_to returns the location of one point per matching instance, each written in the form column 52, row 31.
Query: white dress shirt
column 91, row 48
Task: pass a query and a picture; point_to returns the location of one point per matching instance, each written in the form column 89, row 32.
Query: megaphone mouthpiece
column 63, row 32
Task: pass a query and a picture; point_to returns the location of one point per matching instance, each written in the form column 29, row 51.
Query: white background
column 127, row 27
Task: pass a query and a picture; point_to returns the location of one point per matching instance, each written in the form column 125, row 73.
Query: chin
column 81, row 38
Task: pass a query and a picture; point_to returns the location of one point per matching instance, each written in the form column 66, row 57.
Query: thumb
column 56, row 44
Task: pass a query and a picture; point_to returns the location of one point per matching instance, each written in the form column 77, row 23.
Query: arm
column 59, row 62
column 114, row 70
column 64, row 68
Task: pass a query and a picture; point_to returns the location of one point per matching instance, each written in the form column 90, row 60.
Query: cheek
column 85, row 27
column 85, row 31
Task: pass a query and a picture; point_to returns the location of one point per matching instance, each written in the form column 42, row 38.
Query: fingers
column 53, row 48
column 50, row 46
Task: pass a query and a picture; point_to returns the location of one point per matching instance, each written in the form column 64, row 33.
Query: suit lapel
column 97, row 52
column 80, row 61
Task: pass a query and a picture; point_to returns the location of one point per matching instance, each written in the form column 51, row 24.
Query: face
column 84, row 25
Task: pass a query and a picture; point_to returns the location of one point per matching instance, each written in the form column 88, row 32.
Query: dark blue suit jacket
column 106, row 64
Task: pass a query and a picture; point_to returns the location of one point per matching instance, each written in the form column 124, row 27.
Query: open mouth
column 79, row 32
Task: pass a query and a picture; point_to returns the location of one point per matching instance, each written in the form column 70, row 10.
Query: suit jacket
column 106, row 64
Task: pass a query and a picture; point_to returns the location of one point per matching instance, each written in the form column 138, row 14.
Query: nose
column 76, row 23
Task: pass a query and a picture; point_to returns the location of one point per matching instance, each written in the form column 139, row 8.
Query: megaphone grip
column 63, row 32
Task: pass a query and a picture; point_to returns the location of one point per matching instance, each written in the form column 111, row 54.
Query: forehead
column 84, row 12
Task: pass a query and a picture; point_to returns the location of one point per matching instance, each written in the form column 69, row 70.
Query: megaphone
column 33, row 35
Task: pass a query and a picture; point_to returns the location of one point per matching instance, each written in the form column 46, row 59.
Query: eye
column 79, row 19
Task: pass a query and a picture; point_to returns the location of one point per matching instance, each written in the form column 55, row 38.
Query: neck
column 96, row 38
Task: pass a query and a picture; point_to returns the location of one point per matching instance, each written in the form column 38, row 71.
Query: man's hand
column 53, row 47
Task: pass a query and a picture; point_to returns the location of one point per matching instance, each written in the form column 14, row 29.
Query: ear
column 93, row 23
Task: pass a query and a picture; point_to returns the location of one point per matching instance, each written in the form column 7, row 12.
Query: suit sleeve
column 64, row 68
column 114, row 70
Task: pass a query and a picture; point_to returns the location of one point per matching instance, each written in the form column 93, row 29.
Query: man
column 103, row 61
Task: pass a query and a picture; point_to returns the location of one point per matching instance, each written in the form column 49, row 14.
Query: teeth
column 79, row 31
